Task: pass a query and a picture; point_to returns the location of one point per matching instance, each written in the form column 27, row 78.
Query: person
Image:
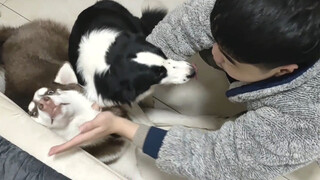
column 271, row 48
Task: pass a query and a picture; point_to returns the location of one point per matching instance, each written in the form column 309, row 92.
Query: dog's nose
column 40, row 106
column 192, row 74
column 45, row 103
column 193, row 71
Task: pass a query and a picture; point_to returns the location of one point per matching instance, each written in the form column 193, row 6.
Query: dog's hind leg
column 127, row 164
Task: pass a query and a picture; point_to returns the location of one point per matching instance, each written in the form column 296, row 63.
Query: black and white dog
column 112, row 59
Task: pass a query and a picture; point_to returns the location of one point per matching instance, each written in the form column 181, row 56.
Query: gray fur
column 26, row 53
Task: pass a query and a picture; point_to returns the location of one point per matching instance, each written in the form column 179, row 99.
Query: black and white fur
column 112, row 59
column 62, row 107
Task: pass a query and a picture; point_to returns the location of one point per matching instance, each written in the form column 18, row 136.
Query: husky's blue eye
column 50, row 92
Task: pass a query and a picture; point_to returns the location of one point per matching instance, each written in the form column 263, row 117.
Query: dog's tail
column 151, row 16
column 5, row 33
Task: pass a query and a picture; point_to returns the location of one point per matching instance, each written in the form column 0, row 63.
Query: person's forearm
column 149, row 139
column 184, row 31
column 125, row 128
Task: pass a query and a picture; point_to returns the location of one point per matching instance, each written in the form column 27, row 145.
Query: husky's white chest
column 72, row 129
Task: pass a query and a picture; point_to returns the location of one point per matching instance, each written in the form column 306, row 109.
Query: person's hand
column 102, row 125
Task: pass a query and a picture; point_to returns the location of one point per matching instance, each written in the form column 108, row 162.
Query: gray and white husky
column 63, row 107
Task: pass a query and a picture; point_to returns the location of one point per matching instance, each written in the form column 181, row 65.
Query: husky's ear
column 66, row 75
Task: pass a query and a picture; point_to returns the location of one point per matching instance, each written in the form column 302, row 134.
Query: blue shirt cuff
column 153, row 141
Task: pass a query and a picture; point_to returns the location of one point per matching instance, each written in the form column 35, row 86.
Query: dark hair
column 268, row 32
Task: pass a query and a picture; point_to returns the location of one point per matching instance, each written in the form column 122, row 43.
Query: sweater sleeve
column 185, row 30
column 258, row 145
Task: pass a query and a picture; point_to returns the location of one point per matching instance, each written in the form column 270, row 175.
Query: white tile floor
column 206, row 90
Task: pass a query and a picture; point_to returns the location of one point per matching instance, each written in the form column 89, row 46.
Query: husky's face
column 57, row 105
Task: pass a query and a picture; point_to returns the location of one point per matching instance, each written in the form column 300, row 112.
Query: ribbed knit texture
column 279, row 133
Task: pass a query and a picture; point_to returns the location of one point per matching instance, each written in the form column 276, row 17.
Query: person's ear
column 287, row 69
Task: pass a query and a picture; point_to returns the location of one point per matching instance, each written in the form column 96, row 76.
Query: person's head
column 261, row 39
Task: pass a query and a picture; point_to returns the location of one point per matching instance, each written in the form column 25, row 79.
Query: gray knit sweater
column 184, row 31
column 279, row 133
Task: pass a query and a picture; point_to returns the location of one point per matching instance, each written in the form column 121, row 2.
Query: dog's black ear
column 66, row 75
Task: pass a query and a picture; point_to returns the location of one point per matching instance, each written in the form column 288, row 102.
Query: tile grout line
column 166, row 104
column 15, row 12
column 286, row 178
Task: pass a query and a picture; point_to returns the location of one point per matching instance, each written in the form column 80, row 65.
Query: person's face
column 247, row 72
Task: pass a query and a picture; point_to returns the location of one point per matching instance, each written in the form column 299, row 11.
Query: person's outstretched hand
column 105, row 123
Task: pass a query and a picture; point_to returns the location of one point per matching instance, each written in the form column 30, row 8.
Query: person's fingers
column 76, row 141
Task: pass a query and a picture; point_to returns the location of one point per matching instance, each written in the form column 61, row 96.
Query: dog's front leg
column 127, row 164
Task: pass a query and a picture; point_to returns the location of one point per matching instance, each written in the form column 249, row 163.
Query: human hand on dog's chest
column 105, row 123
